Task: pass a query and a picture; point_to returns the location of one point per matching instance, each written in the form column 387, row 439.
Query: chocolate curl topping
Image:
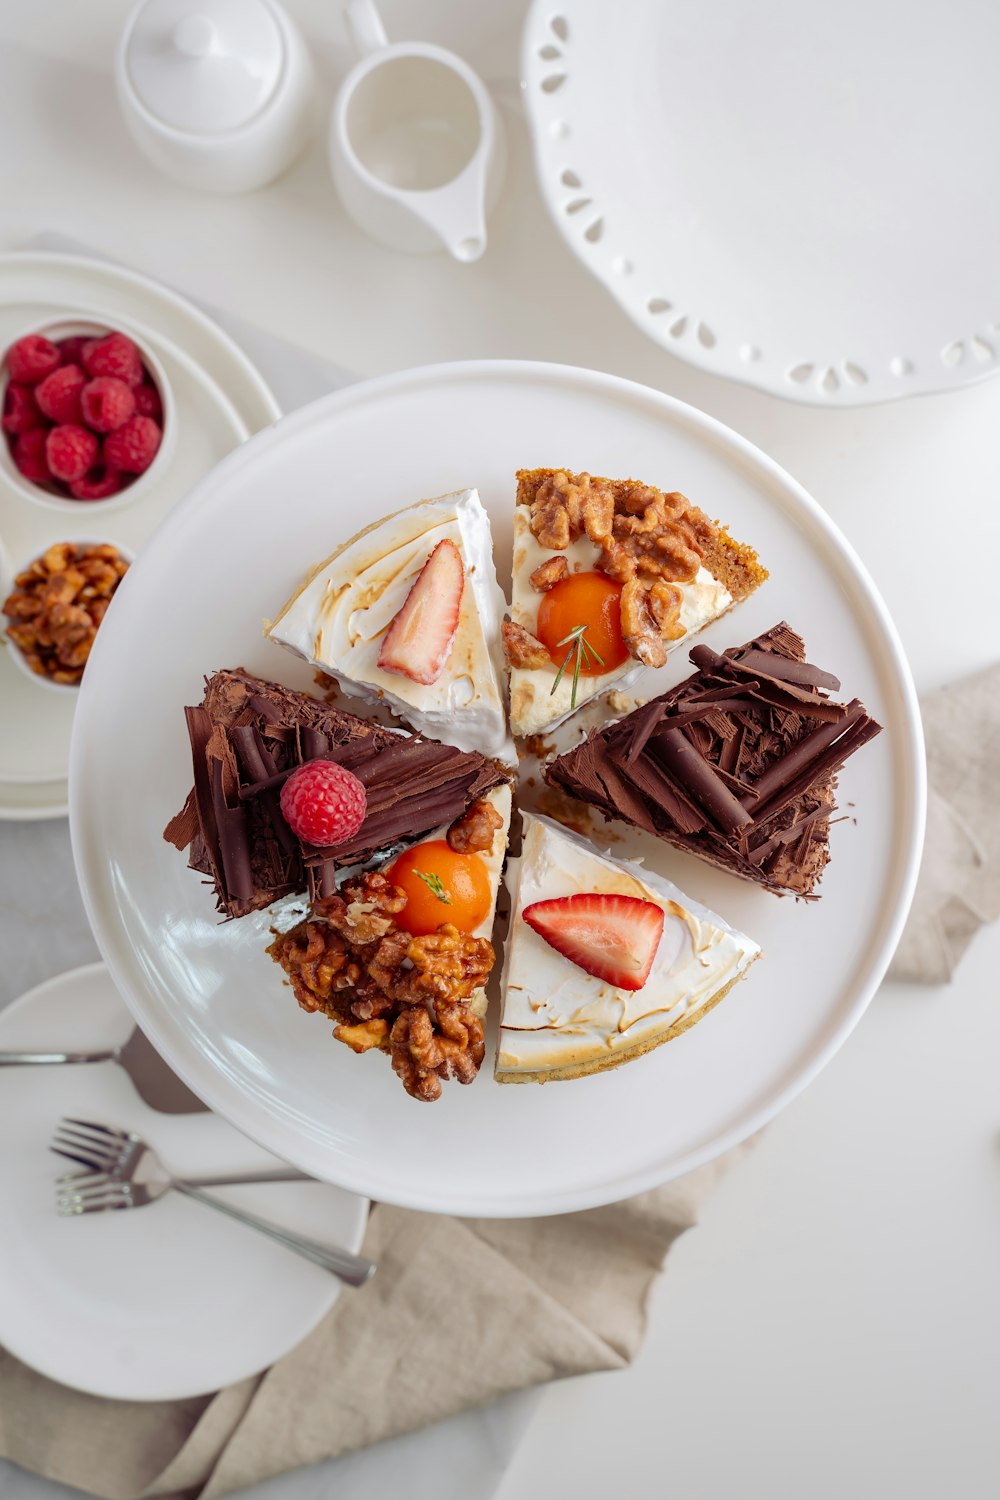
column 232, row 828
column 808, row 750
column 802, row 673
column 696, row 776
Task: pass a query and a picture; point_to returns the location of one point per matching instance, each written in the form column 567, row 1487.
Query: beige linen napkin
column 463, row 1311
column 959, row 886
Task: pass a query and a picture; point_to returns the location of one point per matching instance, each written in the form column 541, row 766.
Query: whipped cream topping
column 338, row 618
column 555, row 1015
column 533, row 705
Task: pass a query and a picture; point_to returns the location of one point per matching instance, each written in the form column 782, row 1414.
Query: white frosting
column 339, row 616
column 555, row 1015
column 534, row 706
column 500, row 799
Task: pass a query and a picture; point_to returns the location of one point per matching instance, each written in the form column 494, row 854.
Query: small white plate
column 796, row 195
column 212, row 1001
column 220, row 400
column 162, row 1302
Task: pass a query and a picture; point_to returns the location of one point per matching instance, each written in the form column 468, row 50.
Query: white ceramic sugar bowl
column 218, row 94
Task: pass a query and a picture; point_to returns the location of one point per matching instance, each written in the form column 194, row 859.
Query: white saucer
column 220, row 399
column 163, row 1302
column 215, row 1004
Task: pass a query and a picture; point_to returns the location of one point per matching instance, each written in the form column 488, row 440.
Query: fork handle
column 353, row 1269
column 229, row 1179
column 16, row 1059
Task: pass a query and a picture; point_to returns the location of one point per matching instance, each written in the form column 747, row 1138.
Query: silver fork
column 123, row 1171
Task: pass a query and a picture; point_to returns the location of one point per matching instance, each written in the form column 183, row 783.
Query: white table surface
column 832, row 1327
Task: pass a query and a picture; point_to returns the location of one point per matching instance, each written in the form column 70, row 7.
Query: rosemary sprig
column 434, row 883
column 582, row 653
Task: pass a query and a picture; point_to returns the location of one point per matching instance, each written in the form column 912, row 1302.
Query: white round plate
column 163, row 1302
column 216, row 1006
column 796, row 195
column 220, row 400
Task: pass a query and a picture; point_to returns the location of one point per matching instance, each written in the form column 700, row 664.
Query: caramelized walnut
column 552, row 571
column 57, row 604
column 640, row 632
column 364, row 1036
column 521, row 648
column 473, row 832
column 422, row 1056
column 566, row 505
column 665, row 601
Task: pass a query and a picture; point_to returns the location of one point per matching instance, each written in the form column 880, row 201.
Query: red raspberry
column 97, row 484
column 148, row 403
column 31, row 359
column 58, row 395
column 71, row 350
column 132, row 446
column 20, row 409
column 323, row 803
column 113, row 355
column 106, row 403
column 29, row 455
column 70, row 450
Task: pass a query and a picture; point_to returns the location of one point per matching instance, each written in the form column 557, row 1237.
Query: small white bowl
column 65, row 328
column 16, row 654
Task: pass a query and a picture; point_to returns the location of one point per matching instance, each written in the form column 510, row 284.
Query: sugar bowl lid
column 204, row 66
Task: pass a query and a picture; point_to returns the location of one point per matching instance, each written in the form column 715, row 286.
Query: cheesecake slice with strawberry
column 408, row 613
column 604, row 960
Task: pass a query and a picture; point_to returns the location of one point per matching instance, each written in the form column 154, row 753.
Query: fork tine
column 106, row 1130
column 99, row 1205
column 92, row 1163
column 85, row 1186
column 106, row 1149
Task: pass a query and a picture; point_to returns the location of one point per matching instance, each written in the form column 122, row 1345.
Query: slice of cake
column 609, row 577
column 737, row 764
column 249, row 735
column 408, row 612
column 604, row 961
column 399, row 957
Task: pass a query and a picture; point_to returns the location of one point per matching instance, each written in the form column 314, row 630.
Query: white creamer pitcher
column 416, row 145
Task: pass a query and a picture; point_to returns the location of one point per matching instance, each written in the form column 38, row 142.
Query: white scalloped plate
column 796, row 195
column 216, row 1007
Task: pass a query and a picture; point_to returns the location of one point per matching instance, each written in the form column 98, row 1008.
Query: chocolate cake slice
column 247, row 735
column 737, row 764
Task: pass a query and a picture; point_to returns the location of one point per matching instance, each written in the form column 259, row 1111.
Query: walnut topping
column 521, row 648
column 665, row 601
column 423, row 1056
column 58, row 603
column 387, row 989
column 473, row 832
column 552, row 571
column 640, row 632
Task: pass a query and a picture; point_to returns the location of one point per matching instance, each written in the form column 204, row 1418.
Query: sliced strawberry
column 612, row 937
column 420, row 636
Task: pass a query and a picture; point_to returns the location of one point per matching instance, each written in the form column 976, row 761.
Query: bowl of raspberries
column 86, row 414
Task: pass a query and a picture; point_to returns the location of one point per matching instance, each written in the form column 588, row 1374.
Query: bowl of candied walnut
column 55, row 608
column 87, row 416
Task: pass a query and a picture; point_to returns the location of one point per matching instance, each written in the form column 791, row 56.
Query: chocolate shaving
column 736, row 764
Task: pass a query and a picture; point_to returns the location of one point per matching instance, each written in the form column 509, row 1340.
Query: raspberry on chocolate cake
column 247, row 737
column 737, row 764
